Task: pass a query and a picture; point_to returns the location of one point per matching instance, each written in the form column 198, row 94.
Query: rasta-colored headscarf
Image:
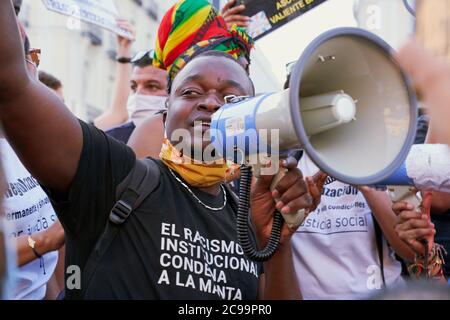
column 191, row 27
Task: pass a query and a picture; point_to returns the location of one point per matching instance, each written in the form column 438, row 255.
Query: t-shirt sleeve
column 104, row 163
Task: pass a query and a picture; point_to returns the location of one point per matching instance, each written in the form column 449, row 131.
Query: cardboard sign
column 268, row 15
column 102, row 13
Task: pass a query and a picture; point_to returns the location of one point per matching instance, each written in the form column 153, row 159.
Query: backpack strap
column 130, row 193
column 379, row 242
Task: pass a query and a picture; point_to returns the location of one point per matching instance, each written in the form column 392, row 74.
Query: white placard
column 102, row 13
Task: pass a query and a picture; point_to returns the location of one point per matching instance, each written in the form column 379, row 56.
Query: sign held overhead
column 268, row 15
column 102, row 13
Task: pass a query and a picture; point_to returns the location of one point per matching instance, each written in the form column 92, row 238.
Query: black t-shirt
column 171, row 247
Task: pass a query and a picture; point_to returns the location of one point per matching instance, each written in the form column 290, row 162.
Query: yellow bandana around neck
column 197, row 175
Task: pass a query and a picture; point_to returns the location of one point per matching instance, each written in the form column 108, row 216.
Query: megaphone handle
column 292, row 220
column 407, row 194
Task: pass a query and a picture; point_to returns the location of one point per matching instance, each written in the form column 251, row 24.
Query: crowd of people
column 113, row 210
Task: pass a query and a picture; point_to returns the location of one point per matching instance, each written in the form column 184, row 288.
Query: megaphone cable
column 242, row 222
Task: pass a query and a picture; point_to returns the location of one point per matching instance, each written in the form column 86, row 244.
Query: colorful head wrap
column 191, row 27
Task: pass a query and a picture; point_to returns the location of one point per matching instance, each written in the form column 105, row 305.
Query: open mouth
column 201, row 125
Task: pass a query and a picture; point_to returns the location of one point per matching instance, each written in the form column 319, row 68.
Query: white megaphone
column 349, row 106
column 427, row 168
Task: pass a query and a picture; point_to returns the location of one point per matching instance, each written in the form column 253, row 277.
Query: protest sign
column 102, row 13
column 268, row 15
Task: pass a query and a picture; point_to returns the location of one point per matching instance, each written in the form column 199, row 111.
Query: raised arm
column 45, row 135
column 117, row 114
column 381, row 206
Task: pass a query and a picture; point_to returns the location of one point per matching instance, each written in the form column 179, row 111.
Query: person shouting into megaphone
column 180, row 242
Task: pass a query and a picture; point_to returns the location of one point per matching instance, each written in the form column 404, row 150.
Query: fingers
column 414, row 224
column 398, row 207
column 425, row 206
column 410, row 215
column 240, row 21
column 315, row 188
column 302, row 202
column 232, row 14
column 289, row 163
column 319, row 179
column 126, row 25
column 291, row 193
column 227, row 6
column 234, row 11
column 417, row 246
column 312, row 186
column 314, row 192
column 295, row 190
column 239, row 24
column 291, row 177
column 415, row 234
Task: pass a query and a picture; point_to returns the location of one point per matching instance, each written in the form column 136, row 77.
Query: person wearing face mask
column 139, row 106
column 148, row 95
column 140, row 89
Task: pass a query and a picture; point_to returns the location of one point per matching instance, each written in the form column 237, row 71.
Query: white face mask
column 142, row 106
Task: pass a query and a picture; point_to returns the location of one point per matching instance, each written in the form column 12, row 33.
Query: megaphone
column 427, row 168
column 349, row 106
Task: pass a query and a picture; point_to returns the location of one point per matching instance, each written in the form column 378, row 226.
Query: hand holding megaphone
column 286, row 193
column 314, row 186
column 416, row 229
column 414, row 225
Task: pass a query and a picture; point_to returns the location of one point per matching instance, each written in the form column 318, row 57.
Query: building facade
column 433, row 26
column 82, row 55
column 389, row 19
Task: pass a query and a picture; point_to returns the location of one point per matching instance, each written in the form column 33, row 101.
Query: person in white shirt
column 29, row 218
column 335, row 249
column 33, row 223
